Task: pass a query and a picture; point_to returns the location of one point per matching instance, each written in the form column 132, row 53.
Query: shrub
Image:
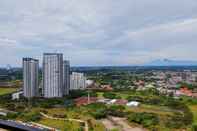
column 34, row 116
column 146, row 119
column 95, row 106
column 153, row 100
column 180, row 119
column 12, row 115
column 109, row 95
column 135, row 98
column 116, row 110
column 194, row 127
column 76, row 93
column 99, row 114
column 98, row 110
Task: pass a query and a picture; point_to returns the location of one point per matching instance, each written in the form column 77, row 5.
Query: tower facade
column 53, row 85
column 66, row 77
column 30, row 77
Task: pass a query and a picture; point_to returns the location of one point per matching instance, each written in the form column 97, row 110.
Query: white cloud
column 120, row 32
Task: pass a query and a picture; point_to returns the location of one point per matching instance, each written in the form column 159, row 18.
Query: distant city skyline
column 98, row 33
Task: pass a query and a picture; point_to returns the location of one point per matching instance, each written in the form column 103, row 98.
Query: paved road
column 13, row 125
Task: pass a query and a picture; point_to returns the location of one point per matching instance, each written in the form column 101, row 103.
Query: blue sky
column 98, row 32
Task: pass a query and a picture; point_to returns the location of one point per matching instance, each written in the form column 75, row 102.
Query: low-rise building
column 85, row 100
column 77, row 81
column 106, row 87
column 133, row 104
column 17, row 95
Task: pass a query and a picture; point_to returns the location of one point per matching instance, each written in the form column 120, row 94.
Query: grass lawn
column 193, row 108
column 53, row 111
column 61, row 125
column 76, row 113
column 123, row 95
column 161, row 111
column 100, row 94
column 71, row 126
column 4, row 91
column 97, row 126
column 151, row 109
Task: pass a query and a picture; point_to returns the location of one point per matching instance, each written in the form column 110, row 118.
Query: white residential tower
column 30, row 77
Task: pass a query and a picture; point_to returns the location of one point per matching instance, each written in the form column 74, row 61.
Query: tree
column 99, row 114
column 146, row 119
column 97, row 110
column 33, row 116
column 116, row 110
column 109, row 95
column 194, row 127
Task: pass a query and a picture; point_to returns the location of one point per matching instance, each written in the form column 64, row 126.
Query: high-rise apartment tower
column 53, row 75
column 66, row 77
column 30, row 77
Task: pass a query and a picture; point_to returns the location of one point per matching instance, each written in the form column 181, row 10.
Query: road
column 15, row 125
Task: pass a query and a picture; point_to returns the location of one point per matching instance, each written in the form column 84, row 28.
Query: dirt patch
column 120, row 124
column 109, row 124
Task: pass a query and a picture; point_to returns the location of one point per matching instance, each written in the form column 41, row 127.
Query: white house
column 17, row 95
column 133, row 104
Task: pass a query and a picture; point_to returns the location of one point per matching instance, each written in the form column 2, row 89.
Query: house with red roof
column 85, row 101
column 186, row 91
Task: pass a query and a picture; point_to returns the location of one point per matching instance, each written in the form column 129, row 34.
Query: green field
column 88, row 113
column 163, row 112
column 61, row 125
column 193, row 108
column 4, row 91
column 75, row 113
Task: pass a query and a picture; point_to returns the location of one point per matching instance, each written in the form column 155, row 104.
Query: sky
column 98, row 32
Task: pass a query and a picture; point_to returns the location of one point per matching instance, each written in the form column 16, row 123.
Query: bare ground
column 119, row 123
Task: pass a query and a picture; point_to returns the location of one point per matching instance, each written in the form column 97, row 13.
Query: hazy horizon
column 97, row 33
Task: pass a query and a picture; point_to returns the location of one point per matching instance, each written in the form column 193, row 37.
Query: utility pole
column 28, row 103
column 88, row 97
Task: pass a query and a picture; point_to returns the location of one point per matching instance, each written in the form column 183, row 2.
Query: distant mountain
column 167, row 62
